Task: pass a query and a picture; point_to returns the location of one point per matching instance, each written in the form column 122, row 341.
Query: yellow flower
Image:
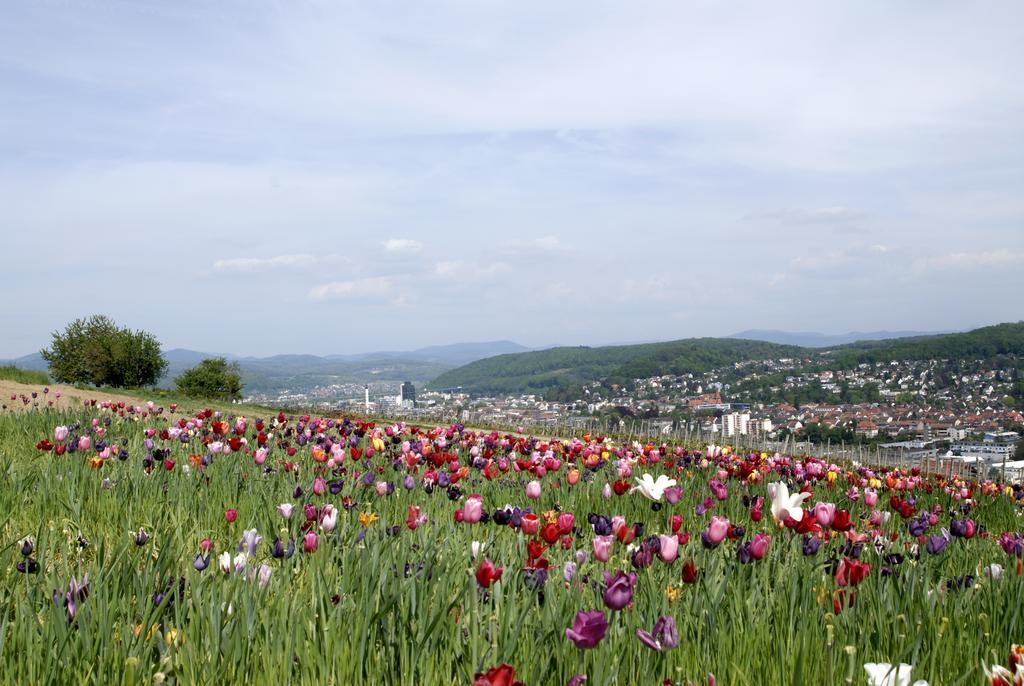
column 831, row 476
column 174, row 637
column 550, row 517
column 672, row 592
column 366, row 519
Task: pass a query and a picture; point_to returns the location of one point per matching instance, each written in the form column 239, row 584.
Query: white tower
column 366, row 391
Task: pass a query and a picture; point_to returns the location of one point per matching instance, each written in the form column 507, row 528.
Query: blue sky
column 262, row 177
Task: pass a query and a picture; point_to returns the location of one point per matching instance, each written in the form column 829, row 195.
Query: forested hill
column 986, row 343
column 559, row 372
column 556, row 371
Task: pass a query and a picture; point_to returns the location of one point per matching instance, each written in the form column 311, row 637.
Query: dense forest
column 559, row 373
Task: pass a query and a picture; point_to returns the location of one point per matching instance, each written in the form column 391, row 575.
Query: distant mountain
column 559, row 372
column 811, row 339
column 301, row 373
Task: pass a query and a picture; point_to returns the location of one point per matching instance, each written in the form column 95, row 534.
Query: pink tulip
column 618, row 521
column 261, row 456
column 319, row 486
column 825, row 513
column 84, row 443
column 565, row 522
column 870, row 497
column 60, row 433
column 473, row 510
column 533, row 490
column 669, row 547
column 718, row 529
column 286, row 510
column 382, row 487
column 606, row 492
column 603, row 547
column 310, row 542
column 530, row 524
column 759, row 546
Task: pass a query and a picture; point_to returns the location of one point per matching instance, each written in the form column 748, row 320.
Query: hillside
column 559, row 372
column 560, row 369
column 813, row 339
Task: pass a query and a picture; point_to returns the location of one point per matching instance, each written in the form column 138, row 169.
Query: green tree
column 212, row 378
column 97, row 351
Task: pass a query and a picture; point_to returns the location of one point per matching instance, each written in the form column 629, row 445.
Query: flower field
column 159, row 545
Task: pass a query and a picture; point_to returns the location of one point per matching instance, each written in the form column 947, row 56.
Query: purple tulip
column 663, row 636
column 618, row 589
column 588, row 629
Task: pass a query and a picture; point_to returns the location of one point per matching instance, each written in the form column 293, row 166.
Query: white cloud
column 448, row 269
column 402, row 245
column 258, row 264
column 372, row 288
column 821, row 215
column 970, row 260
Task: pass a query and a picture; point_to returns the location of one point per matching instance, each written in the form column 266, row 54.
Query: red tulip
column 231, row 515
column 487, row 573
column 502, row 675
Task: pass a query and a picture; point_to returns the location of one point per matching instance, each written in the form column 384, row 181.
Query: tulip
column 263, row 576
column 588, row 629
column 842, row 522
column 488, row 573
column 200, row 563
column 603, row 547
column 476, row 547
column 502, row 675
column 60, row 433
column 278, row 550
column 565, row 521
column 250, row 540
column 224, row 562
column 651, row 489
column 870, row 497
column 473, row 509
column 310, row 542
column 329, row 518
column 533, row 490
column 286, row 510
column 717, row 530
column 811, row 545
column 759, row 546
column 141, row 537
column 231, row 515
column 824, row 514
column 673, row 494
column 669, row 547
column 785, row 505
column 690, row 573
column 663, row 636
column 618, row 589
column 530, row 524
column 884, row 674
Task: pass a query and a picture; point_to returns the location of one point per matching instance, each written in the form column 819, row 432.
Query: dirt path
column 70, row 396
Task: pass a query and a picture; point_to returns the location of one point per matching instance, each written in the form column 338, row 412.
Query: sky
column 338, row 177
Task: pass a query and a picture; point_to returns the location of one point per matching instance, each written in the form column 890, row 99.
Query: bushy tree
column 212, row 378
column 97, row 351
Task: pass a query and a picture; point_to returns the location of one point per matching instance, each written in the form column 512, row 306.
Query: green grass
column 9, row 372
column 349, row 614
